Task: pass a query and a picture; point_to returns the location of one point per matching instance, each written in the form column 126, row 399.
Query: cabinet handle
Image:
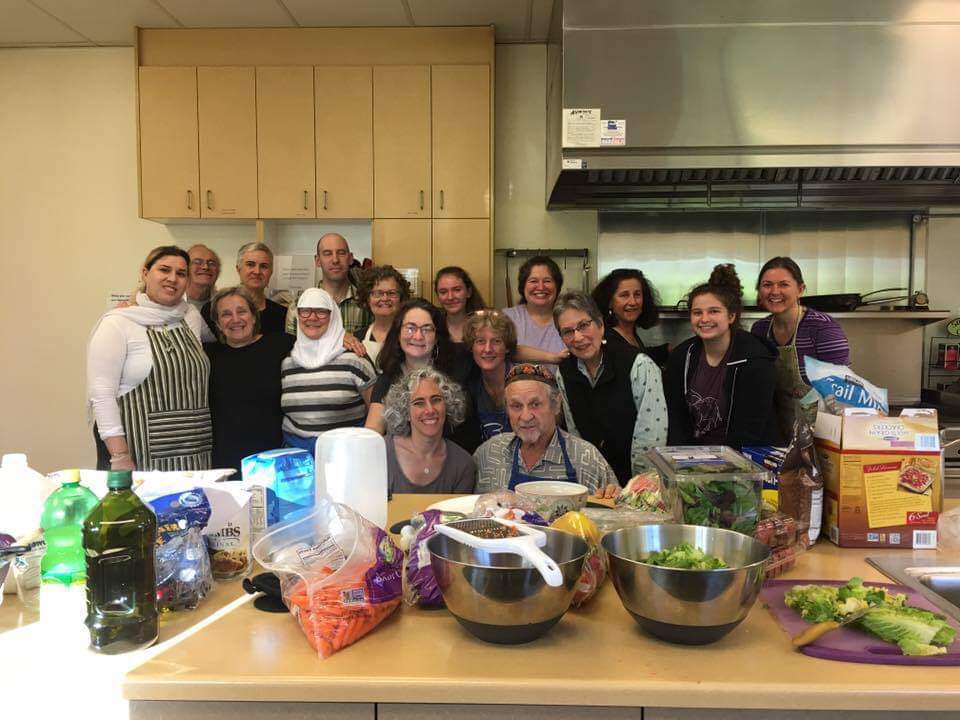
column 306, row 200
column 209, row 199
column 324, row 199
column 189, row 199
column 441, row 199
column 421, row 199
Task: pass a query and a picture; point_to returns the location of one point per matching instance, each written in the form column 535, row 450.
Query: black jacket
column 605, row 414
column 749, row 384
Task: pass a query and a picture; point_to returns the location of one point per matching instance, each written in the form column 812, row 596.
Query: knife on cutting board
column 815, row 632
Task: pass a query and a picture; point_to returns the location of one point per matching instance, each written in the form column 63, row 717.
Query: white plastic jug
column 351, row 467
column 22, row 494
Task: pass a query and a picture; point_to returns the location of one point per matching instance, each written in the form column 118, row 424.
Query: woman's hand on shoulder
column 351, row 343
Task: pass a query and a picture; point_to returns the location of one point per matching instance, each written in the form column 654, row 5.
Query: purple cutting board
column 848, row 644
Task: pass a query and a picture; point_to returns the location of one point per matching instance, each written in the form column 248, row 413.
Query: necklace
column 427, row 463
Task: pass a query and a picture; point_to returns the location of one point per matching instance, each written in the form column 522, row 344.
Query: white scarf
column 148, row 313
column 312, row 354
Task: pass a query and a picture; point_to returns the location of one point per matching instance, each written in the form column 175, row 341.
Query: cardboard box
column 883, row 478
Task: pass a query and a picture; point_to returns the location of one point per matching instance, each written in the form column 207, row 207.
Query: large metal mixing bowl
column 499, row 597
column 693, row 607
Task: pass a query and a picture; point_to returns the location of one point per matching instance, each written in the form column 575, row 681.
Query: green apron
column 791, row 387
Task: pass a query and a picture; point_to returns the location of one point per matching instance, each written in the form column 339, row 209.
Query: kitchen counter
column 595, row 656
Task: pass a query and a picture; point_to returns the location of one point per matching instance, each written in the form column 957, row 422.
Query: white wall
column 70, row 233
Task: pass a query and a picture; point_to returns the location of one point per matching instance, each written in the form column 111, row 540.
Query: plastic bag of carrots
column 340, row 574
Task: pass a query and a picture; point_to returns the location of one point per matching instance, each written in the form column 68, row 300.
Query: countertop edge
column 641, row 694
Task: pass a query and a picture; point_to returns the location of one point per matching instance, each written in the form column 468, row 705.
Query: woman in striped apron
column 147, row 375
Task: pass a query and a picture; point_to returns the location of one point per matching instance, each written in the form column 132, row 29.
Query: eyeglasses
column 212, row 264
column 377, row 294
column 305, row 313
column 410, row 329
column 581, row 327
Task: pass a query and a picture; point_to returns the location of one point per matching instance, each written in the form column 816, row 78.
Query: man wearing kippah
column 537, row 449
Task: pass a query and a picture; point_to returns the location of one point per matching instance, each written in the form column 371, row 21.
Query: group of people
column 469, row 398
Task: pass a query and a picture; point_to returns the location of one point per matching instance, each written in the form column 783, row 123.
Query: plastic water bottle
column 352, row 469
column 62, row 521
column 281, row 483
column 119, row 537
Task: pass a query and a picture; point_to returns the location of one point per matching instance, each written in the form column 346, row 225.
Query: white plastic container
column 351, row 467
column 22, row 494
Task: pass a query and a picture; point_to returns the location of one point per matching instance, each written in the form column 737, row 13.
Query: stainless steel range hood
column 757, row 103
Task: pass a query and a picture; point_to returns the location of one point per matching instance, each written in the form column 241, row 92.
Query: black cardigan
column 749, row 385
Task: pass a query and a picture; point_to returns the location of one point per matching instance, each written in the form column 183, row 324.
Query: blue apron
column 517, row 476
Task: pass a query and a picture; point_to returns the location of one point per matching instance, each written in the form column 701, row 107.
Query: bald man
column 334, row 259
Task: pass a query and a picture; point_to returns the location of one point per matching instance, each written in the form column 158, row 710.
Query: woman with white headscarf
column 323, row 386
column 147, row 375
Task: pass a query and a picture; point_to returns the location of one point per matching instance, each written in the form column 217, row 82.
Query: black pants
column 103, row 455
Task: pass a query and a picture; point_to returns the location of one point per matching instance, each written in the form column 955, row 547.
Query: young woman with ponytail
column 720, row 383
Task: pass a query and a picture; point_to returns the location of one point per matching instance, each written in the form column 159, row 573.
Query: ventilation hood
column 730, row 104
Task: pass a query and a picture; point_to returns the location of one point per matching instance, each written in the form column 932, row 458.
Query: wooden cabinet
column 344, row 141
column 460, row 102
column 285, row 142
column 226, row 110
column 465, row 243
column 405, row 244
column 169, row 163
column 401, row 141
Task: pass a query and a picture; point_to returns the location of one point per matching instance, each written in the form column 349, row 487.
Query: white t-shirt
column 119, row 359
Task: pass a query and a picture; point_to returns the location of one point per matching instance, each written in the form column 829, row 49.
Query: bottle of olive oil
column 119, row 536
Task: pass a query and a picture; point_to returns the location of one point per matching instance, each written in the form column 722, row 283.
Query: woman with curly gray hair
column 419, row 458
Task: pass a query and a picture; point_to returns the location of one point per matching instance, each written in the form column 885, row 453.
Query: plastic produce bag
column 839, row 387
column 421, row 587
column 508, row 505
column 644, row 492
column 625, row 517
column 596, row 564
column 800, row 484
column 184, row 575
column 340, row 575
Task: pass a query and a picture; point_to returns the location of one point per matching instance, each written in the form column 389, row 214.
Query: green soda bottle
column 119, row 536
column 62, row 521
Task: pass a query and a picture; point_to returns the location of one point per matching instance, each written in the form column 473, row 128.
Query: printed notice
column 117, row 297
column 293, row 273
column 886, row 504
column 613, row 132
column 581, row 127
column 574, row 164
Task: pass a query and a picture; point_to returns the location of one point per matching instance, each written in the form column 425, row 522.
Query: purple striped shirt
column 818, row 335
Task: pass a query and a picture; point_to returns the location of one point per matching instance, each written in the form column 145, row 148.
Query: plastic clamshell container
column 711, row 485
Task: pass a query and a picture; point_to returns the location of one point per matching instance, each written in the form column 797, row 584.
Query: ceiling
column 44, row 23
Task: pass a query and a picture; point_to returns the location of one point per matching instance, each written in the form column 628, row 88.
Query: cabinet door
column 461, row 141
column 169, row 164
column 466, row 243
column 405, row 244
column 401, row 141
column 344, row 121
column 228, row 141
column 285, row 172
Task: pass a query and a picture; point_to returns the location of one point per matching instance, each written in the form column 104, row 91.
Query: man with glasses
column 334, row 260
column 202, row 275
